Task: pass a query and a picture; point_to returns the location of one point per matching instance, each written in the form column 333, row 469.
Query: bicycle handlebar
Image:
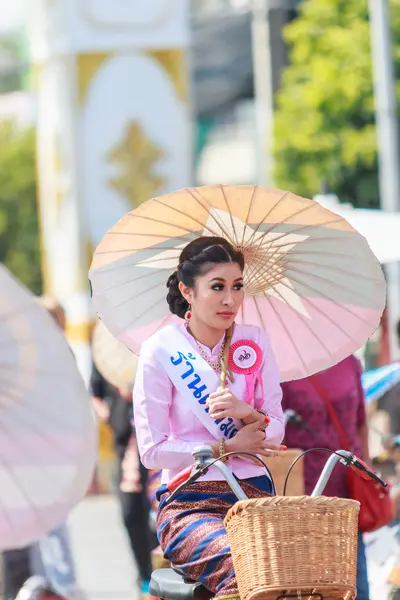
column 204, row 460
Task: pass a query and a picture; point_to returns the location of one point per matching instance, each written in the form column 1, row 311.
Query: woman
column 341, row 387
column 178, row 405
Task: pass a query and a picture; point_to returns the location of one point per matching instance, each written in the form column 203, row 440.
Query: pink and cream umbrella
column 112, row 358
column 47, row 429
column 311, row 280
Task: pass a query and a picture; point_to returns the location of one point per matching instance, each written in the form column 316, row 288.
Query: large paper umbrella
column 47, row 429
column 311, row 280
column 112, row 358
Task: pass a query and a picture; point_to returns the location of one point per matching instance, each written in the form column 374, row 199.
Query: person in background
column 390, row 401
column 342, row 386
column 115, row 407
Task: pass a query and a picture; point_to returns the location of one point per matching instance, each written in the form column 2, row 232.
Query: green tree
column 19, row 230
column 12, row 69
column 324, row 127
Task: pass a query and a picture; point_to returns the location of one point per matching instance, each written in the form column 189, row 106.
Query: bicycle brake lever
column 198, row 471
column 365, row 472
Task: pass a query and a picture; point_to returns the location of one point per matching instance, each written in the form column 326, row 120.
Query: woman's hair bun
column 176, row 302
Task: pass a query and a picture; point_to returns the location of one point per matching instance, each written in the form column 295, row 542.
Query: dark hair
column 196, row 259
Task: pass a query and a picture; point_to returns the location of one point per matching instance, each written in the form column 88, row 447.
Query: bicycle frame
column 203, row 456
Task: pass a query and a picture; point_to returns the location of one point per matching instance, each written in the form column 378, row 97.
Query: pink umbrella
column 48, row 433
column 311, row 280
column 112, row 359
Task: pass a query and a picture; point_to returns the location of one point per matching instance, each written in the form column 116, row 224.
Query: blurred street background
column 104, row 104
column 104, row 566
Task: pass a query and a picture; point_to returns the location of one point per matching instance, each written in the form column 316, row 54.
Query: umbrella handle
column 226, row 373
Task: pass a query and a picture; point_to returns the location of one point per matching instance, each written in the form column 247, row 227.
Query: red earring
column 188, row 314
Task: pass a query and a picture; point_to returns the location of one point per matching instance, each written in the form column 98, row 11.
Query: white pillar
column 388, row 144
column 113, row 129
column 263, row 91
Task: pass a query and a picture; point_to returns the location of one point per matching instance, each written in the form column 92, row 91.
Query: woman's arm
column 254, row 417
column 98, row 389
column 152, row 397
column 272, row 400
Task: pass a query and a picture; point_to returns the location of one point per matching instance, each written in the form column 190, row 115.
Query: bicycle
column 170, row 583
column 38, row 588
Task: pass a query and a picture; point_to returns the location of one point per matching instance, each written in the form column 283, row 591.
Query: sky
column 11, row 14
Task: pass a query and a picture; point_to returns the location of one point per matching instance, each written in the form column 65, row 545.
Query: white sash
column 193, row 378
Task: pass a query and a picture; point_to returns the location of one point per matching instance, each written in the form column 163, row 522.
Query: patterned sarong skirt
column 192, row 534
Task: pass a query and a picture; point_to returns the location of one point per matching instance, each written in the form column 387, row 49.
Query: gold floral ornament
column 136, row 157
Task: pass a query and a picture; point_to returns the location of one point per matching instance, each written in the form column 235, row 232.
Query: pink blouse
column 167, row 429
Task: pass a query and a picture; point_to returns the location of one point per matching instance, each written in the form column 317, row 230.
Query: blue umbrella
column 379, row 381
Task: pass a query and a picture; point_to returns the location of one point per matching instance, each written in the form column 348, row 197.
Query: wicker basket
column 294, row 547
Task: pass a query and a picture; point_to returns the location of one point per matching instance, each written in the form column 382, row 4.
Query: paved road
column 105, row 570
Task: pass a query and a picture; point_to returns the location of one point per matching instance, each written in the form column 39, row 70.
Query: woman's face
column 216, row 298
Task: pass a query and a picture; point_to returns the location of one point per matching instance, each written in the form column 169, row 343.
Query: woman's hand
column 251, row 439
column 125, row 393
column 223, row 403
column 101, row 409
